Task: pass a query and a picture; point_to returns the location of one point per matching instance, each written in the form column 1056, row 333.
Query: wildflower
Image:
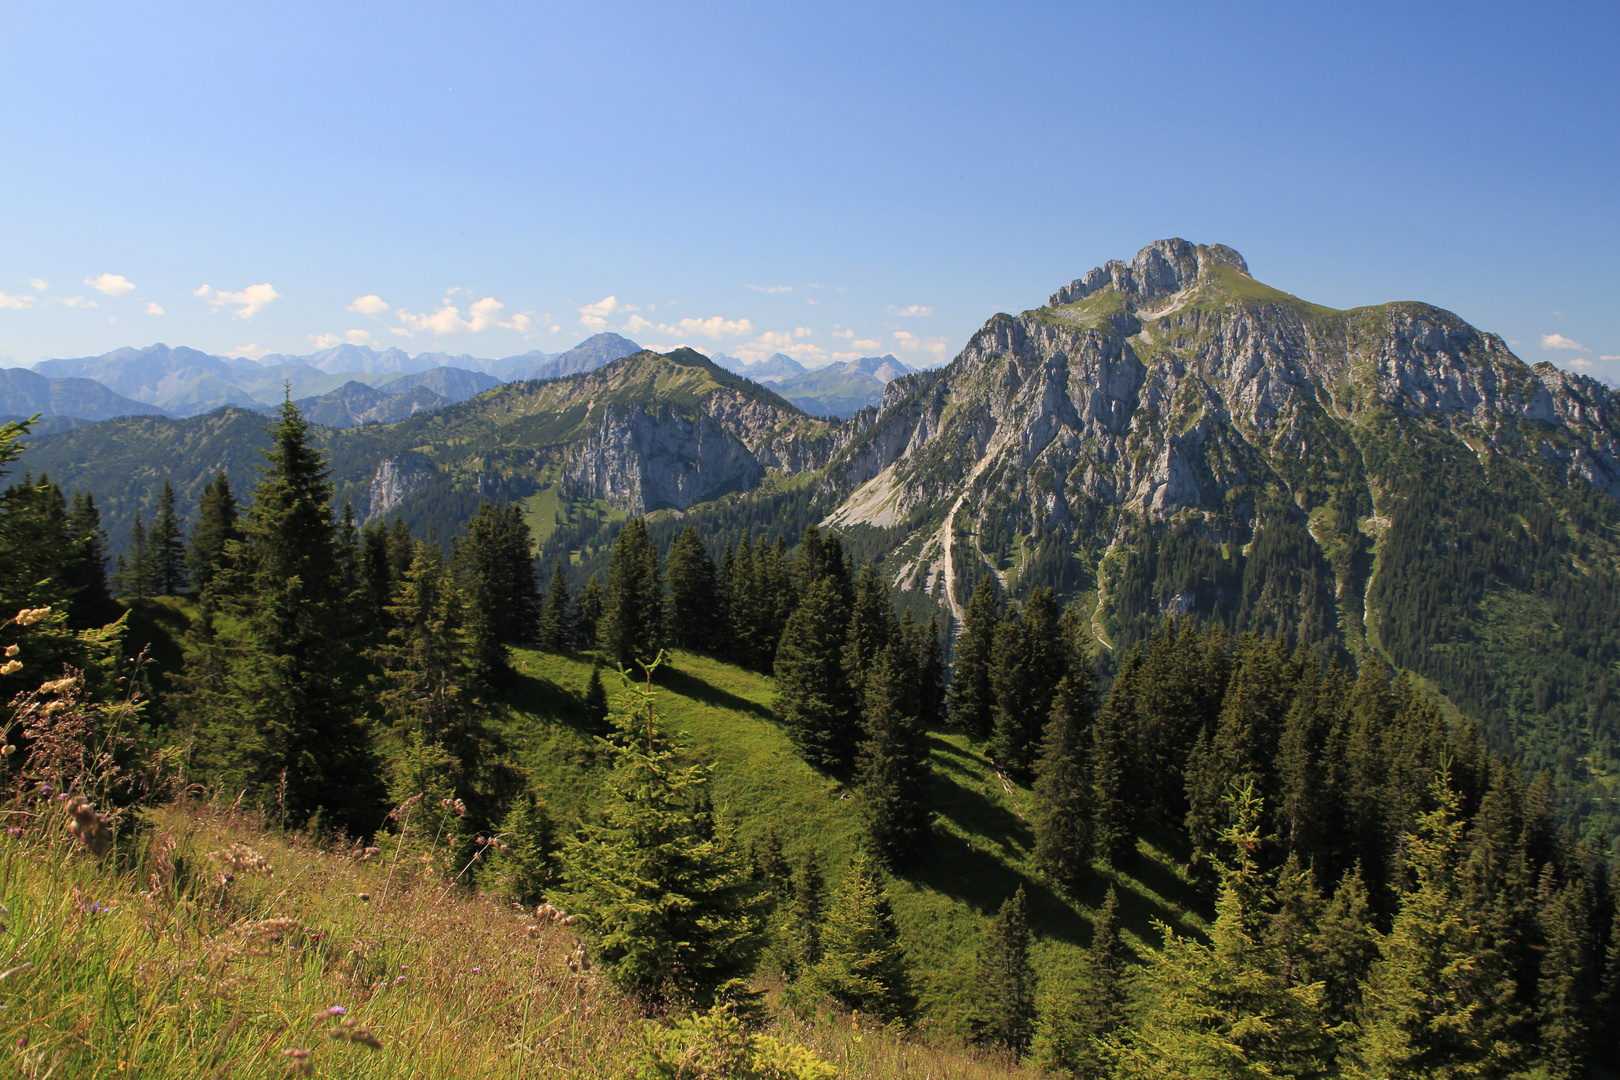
column 365, row 897
column 29, row 616
column 298, row 1063
column 93, row 830
column 57, row 686
column 13, row 650
column 8, row 749
column 330, row 1010
column 10, row 667
column 13, row 832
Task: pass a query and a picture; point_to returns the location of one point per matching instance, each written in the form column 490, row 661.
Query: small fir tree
column 972, row 697
column 217, row 527
column 632, row 624
column 694, row 595
column 814, row 699
column 1076, row 1017
column 168, row 546
column 1005, row 980
column 1062, row 811
column 588, row 608
column 891, row 776
column 557, row 623
column 863, row 965
column 655, row 878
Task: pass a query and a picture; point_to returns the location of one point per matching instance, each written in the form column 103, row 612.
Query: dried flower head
column 13, row 650
column 10, row 667
column 298, row 1062
column 457, row 807
column 399, row 812
column 29, row 616
column 241, row 859
column 350, row 1032
column 59, row 686
column 91, row 829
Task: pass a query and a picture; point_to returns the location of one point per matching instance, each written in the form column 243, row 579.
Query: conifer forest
column 1367, row 887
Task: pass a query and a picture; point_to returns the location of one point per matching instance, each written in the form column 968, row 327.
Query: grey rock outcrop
column 396, row 479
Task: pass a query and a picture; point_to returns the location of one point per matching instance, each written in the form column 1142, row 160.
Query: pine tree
column 1343, row 949
column 1062, row 811
column 931, row 676
column 521, row 869
column 217, row 527
column 863, row 965
column 135, row 575
column 655, row 878
column 1029, row 656
column 1565, row 983
column 1075, row 1018
column 495, row 574
column 290, row 727
column 814, row 700
column 596, row 705
column 694, row 595
column 809, row 898
column 1005, row 980
column 168, row 546
column 632, row 624
column 891, row 776
column 1221, row 1010
column 1113, row 820
column 587, row 617
column 871, row 625
column 972, row 696
column 376, row 574
column 83, row 576
column 1433, row 1003
column 557, row 624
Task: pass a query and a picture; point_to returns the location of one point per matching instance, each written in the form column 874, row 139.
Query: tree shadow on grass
column 690, row 686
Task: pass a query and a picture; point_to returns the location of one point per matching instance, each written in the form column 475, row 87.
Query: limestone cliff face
column 1177, row 388
column 396, row 479
column 695, row 434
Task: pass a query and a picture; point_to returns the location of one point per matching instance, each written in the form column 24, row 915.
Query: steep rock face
column 640, row 460
column 396, row 479
column 1176, row 389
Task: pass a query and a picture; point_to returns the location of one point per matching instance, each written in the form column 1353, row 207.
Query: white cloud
column 594, row 316
column 38, row 284
column 555, row 329
column 522, row 322
column 369, row 304
column 839, row 331
column 912, row 343
column 153, row 309
column 352, row 337
column 1559, row 341
column 15, row 303
column 449, row 320
column 812, row 301
column 247, row 352
column 914, row 309
column 715, row 328
column 111, row 284
column 73, row 301
column 772, row 289
column 1580, row 362
column 1609, row 358
column 866, row 343
column 249, row 302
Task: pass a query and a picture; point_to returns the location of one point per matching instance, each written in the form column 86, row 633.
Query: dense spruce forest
column 1383, row 895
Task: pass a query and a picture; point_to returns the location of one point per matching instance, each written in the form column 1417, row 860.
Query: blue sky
column 826, row 179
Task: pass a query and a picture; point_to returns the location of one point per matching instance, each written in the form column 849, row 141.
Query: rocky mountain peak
column 1160, row 269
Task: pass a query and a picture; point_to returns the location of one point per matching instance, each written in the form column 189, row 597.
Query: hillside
column 1165, row 437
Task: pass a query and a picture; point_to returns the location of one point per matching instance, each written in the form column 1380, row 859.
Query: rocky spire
column 1161, row 268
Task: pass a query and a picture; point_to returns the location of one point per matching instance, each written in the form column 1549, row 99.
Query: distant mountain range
column 840, row 390
column 348, row 385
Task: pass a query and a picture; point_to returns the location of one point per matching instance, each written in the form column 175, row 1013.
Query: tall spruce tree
column 290, row 728
column 1062, row 811
column 694, row 595
column 655, row 878
column 1221, row 1009
column 814, row 699
column 1344, row 948
column 1566, row 983
column 972, row 697
column 587, row 618
column 83, row 575
column 1113, row 813
column 1434, row 1003
column 1076, row 1015
column 1029, row 656
column 871, row 625
column 557, row 623
column 494, row 571
column 863, row 965
column 891, row 774
column 632, row 627
column 216, row 527
column 137, row 573
column 168, row 546
column 1004, row 978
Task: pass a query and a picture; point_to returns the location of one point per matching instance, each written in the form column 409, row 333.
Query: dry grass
column 207, row 946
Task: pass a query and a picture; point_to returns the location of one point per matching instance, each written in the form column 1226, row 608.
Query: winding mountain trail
column 947, row 535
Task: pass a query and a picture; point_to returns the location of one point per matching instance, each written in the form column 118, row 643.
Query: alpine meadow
column 1185, row 680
